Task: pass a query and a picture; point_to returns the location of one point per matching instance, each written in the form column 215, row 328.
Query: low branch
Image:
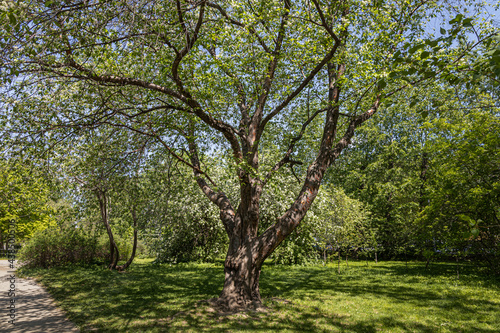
column 227, row 213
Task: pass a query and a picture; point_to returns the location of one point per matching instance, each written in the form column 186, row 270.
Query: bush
column 57, row 247
column 297, row 249
column 192, row 240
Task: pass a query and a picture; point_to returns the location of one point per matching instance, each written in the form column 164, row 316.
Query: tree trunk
column 114, row 261
column 241, row 284
column 113, row 248
column 424, row 166
column 134, row 246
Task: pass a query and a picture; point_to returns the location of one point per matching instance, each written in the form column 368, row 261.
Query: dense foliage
column 249, row 96
column 430, row 180
column 58, row 247
column 24, row 201
column 462, row 215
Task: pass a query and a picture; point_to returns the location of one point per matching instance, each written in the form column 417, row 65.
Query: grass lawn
column 383, row 297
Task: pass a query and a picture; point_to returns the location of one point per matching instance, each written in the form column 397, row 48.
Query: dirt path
column 35, row 311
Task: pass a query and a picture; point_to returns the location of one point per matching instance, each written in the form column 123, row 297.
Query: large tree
column 199, row 76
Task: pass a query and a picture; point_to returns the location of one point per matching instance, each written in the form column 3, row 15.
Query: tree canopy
column 267, row 84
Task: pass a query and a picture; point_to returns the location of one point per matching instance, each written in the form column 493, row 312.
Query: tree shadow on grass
column 410, row 287
column 143, row 295
column 162, row 298
column 296, row 319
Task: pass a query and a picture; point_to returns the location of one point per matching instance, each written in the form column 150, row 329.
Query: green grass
column 383, row 297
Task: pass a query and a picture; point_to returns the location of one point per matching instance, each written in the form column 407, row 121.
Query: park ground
column 33, row 310
column 363, row 297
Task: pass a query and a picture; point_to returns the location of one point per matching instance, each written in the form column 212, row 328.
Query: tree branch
column 291, row 146
column 239, row 24
column 227, row 213
column 324, row 24
column 253, row 130
column 304, row 83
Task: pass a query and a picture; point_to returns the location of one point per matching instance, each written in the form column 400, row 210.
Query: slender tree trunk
column 116, row 258
column 113, row 248
column 424, row 166
column 134, row 246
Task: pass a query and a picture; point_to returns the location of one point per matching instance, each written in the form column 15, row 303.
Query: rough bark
column 241, row 278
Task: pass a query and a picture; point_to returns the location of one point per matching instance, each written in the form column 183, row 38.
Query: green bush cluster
column 189, row 241
column 298, row 249
column 56, row 246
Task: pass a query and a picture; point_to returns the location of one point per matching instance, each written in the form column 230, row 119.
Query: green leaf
column 425, row 55
column 416, row 48
column 429, row 74
column 467, row 22
column 457, row 19
column 12, row 19
column 431, row 43
column 394, row 75
column 381, row 84
column 443, row 31
column 411, row 71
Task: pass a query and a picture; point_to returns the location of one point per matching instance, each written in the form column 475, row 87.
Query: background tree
column 464, row 189
column 180, row 225
column 105, row 166
column 24, row 199
column 342, row 224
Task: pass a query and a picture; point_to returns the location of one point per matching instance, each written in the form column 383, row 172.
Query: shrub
column 298, row 249
column 57, row 247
